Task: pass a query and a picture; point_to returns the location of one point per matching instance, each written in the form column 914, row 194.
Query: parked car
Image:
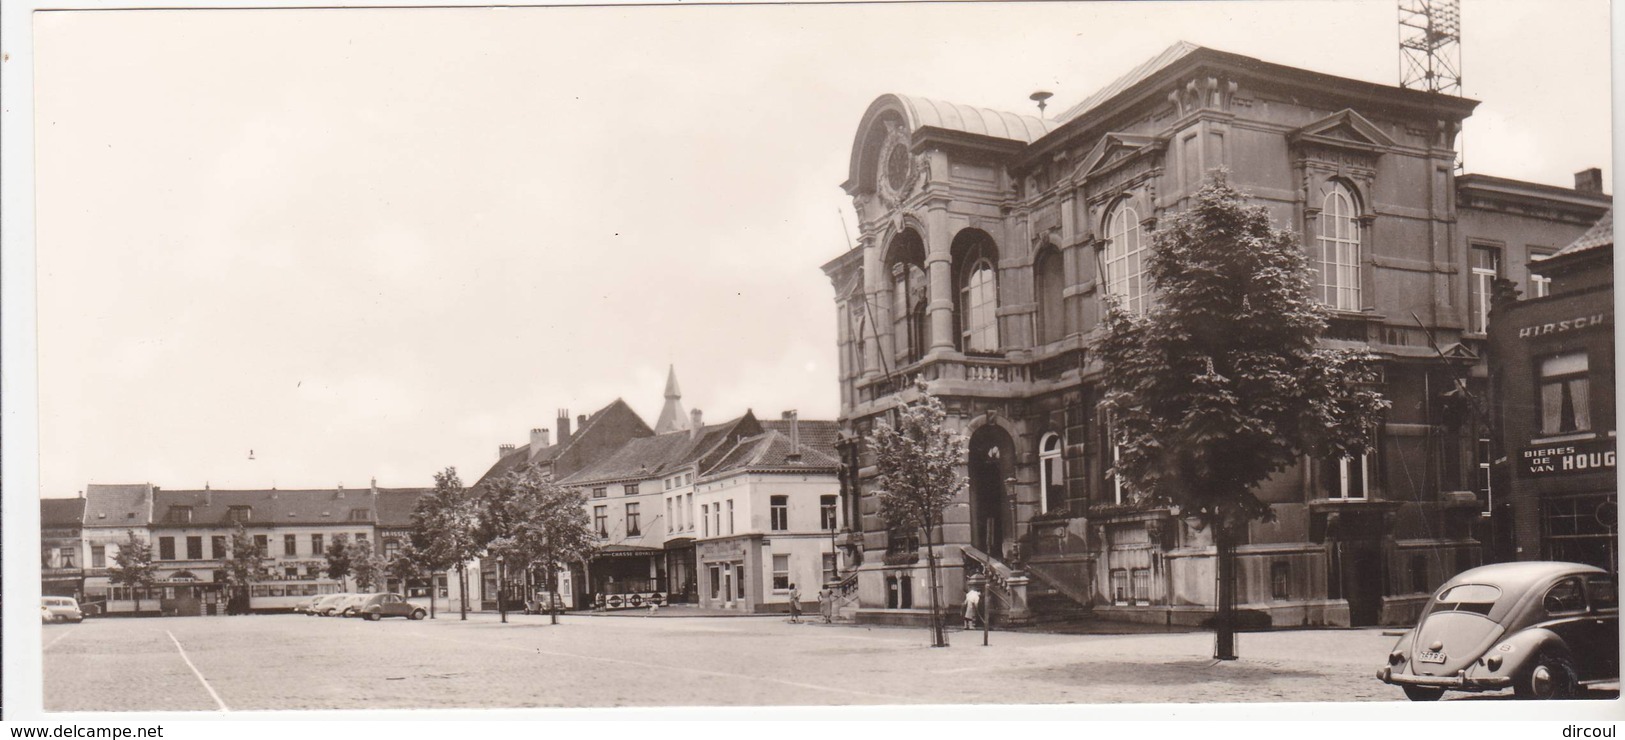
column 378, row 606
column 1542, row 628
column 350, row 605
column 60, row 609
column 327, row 606
column 302, row 606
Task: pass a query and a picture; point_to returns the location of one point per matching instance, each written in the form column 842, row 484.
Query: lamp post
column 502, row 584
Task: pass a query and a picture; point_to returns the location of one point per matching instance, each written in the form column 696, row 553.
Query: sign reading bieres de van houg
column 1571, row 458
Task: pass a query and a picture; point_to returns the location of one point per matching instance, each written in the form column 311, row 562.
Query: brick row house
column 987, row 242
column 189, row 532
column 721, row 515
column 1552, row 371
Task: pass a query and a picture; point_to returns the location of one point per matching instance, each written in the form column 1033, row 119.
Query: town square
column 1189, row 367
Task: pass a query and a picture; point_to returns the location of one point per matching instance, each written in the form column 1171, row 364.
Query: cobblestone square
column 288, row 662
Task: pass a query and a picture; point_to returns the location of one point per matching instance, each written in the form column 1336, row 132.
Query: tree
column 1223, row 383
column 443, row 522
column 408, row 566
column 132, row 566
column 502, row 505
column 919, row 461
column 244, row 564
column 339, row 564
column 545, row 524
column 366, row 565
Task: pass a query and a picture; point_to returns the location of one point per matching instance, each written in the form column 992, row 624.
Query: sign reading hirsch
column 1569, row 459
column 1558, row 327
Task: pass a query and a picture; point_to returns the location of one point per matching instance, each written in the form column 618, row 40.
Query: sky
column 376, row 243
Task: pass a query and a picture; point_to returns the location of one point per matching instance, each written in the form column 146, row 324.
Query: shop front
column 627, row 577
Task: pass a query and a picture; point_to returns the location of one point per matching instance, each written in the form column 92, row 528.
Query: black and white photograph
column 1106, row 359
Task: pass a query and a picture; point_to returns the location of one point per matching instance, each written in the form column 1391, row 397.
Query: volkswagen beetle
column 1541, row 628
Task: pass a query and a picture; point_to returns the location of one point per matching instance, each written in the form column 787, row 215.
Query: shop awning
column 624, row 551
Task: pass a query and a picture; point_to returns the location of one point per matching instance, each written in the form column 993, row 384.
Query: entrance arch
column 991, row 460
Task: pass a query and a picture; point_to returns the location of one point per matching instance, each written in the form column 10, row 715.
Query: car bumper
column 1457, row 683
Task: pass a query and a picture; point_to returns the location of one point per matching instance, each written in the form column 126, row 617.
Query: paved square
column 281, row 662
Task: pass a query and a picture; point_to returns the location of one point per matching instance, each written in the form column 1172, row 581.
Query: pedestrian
column 795, row 604
column 973, row 600
column 826, row 603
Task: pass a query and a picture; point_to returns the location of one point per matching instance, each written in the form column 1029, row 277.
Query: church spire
column 672, row 418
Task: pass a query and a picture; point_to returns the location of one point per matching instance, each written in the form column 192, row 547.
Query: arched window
column 1052, row 476
column 1339, row 258
column 1125, row 259
column 908, row 297
column 1047, row 279
column 975, row 261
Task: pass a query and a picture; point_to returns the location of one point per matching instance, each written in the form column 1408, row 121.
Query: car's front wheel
column 1423, row 693
column 419, row 614
column 373, row 616
column 1551, row 676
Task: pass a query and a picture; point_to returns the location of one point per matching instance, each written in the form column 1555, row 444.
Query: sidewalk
column 679, row 610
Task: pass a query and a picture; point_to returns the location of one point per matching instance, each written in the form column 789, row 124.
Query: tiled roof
column 773, row 450
column 117, row 505
column 648, row 457
column 395, row 505
column 1149, row 67
column 523, row 455
column 273, row 507
column 925, row 112
column 61, row 512
column 1601, row 234
column 817, row 434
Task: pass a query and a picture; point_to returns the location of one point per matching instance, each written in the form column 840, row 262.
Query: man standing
column 795, row 604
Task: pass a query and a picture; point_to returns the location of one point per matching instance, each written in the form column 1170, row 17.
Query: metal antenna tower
column 1430, row 45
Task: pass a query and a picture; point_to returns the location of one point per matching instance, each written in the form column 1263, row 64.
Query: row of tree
column 522, row 520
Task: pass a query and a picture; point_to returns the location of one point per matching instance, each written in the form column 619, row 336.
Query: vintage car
column 1541, row 628
column 326, row 606
column 60, row 609
column 378, row 606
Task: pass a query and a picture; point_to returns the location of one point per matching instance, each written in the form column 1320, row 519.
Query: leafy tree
column 443, row 523
column 339, row 563
column 408, row 566
column 919, row 462
column 366, row 565
column 1223, row 383
column 544, row 525
column 133, row 567
column 244, row 565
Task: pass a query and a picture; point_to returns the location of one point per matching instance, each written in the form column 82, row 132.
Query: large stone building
column 1552, row 379
column 988, row 240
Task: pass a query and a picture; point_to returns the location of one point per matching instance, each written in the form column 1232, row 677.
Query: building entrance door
column 991, row 455
column 1362, row 581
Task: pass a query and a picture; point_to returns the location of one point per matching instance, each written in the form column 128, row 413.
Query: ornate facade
column 987, row 242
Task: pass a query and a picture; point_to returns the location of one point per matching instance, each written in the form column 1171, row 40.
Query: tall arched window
column 1339, row 258
column 978, row 291
column 1125, row 258
column 908, row 297
column 1052, row 476
column 1047, row 280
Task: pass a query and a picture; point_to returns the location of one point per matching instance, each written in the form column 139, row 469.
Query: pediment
column 1114, row 148
column 1346, row 128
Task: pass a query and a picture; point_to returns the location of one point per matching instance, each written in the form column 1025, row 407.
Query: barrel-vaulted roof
column 927, row 113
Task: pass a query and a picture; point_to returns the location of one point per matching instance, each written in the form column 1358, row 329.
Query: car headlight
column 1396, row 657
column 1493, row 663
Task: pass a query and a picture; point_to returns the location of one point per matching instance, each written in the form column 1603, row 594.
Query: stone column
column 939, row 268
column 873, row 277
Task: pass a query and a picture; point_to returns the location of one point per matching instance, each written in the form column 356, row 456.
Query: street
column 290, row 662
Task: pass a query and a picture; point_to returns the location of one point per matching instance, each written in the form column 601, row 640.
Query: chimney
column 208, row 496
column 1588, row 181
column 581, row 422
column 564, row 427
column 795, row 435
column 539, row 438
column 341, row 490
column 504, row 451
column 373, row 486
column 695, row 423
